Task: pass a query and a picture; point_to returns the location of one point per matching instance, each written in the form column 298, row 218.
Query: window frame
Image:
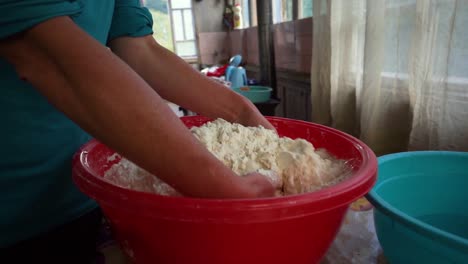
column 300, row 10
column 253, row 13
column 174, row 41
column 297, row 11
column 281, row 5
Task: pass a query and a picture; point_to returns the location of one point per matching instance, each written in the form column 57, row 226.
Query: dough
column 293, row 166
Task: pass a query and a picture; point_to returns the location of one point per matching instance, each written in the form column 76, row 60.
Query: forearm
column 177, row 81
column 110, row 101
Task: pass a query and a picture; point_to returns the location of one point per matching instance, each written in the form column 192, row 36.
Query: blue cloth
column 37, row 141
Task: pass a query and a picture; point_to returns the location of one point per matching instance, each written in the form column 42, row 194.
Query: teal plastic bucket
column 421, row 207
column 255, row 93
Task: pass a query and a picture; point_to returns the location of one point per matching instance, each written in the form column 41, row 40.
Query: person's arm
column 178, row 82
column 98, row 91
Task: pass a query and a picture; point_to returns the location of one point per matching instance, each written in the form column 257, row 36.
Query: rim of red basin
column 329, row 198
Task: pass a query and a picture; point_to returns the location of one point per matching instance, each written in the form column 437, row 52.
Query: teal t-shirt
column 37, row 141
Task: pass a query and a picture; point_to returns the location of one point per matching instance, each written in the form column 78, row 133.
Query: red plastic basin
column 170, row 230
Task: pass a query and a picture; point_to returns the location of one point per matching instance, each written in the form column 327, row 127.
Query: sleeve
column 130, row 19
column 17, row 16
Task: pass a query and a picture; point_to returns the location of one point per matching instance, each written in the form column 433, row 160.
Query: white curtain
column 392, row 72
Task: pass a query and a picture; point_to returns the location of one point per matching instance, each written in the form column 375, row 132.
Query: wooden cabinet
column 295, row 98
column 293, row 91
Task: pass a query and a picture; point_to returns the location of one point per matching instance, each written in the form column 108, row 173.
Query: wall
column 214, row 48
column 210, row 30
column 292, row 44
column 209, row 15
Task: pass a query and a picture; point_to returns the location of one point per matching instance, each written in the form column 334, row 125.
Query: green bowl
column 421, row 207
column 256, row 94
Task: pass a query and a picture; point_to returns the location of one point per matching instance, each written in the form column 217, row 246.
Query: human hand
column 258, row 185
column 249, row 115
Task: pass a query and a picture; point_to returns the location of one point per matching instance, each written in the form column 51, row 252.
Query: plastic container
column 170, row 230
column 236, row 76
column 256, row 94
column 421, row 203
column 238, row 20
column 235, row 61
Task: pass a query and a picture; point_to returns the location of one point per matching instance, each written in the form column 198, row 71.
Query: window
column 253, row 13
column 305, row 8
column 282, row 10
column 183, row 27
column 246, row 13
column 288, row 10
column 174, row 25
column 400, row 31
column 162, row 22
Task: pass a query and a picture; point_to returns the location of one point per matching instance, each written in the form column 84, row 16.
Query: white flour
column 293, row 166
